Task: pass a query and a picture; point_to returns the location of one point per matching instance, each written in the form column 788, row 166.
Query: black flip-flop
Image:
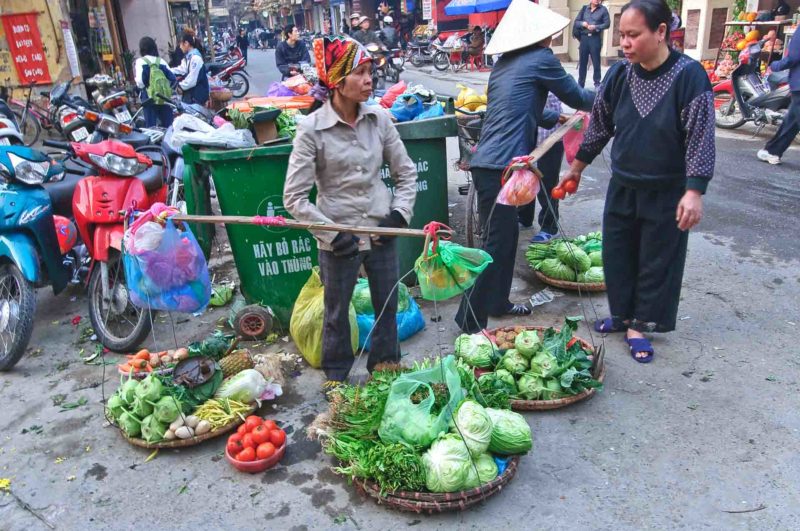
column 640, row 344
column 608, row 326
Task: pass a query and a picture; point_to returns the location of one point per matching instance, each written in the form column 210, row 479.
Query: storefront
column 97, row 36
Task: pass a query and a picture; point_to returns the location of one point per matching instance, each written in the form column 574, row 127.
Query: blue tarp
column 485, row 6
column 460, row 7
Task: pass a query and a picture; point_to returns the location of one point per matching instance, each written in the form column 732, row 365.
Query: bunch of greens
column 287, row 127
column 214, row 346
column 239, row 119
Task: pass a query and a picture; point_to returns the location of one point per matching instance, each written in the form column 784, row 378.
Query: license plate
column 4, row 142
column 123, row 115
column 80, row 134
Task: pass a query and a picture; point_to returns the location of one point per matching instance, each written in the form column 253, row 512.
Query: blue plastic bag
column 171, row 277
column 409, row 323
column 431, row 111
column 407, row 107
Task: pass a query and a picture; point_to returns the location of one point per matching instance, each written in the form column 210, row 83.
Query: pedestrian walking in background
column 518, row 88
column 588, row 28
column 790, row 126
column 550, row 167
column 659, row 107
column 243, row 43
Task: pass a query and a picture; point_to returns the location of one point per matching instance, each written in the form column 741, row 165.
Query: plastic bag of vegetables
column 511, row 434
column 474, row 426
column 246, row 386
column 520, row 188
column 362, row 299
column 420, row 404
column 554, row 268
column 446, row 269
column 447, row 464
column 476, row 350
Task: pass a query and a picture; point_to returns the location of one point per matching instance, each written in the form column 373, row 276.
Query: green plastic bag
column 446, row 269
column 419, row 424
column 362, row 299
column 307, row 318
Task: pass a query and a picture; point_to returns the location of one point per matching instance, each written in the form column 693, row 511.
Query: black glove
column 394, row 220
column 345, row 245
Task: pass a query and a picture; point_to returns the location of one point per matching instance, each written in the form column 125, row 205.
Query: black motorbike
column 384, row 70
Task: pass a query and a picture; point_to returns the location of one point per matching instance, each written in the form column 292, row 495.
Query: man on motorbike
column 364, row 35
column 389, row 33
column 291, row 52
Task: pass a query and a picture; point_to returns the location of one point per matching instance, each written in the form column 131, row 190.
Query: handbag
column 576, row 29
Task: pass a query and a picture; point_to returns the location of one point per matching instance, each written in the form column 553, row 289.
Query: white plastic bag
column 146, row 238
column 246, row 386
column 188, row 129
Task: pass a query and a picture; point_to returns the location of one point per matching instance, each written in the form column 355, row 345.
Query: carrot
column 143, row 354
column 124, row 367
column 138, row 364
column 148, row 368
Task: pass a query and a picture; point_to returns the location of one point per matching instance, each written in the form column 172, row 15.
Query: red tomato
column 248, row 454
column 558, row 193
column 571, row 186
column 260, row 434
column 248, row 441
column 277, row 437
column 270, row 424
column 241, row 430
column 265, row 450
column 234, row 445
column 252, row 421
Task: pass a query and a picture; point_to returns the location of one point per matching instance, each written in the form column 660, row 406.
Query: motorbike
column 383, row 70
column 71, row 124
column 230, row 74
column 747, row 97
column 422, row 52
column 9, row 129
column 123, row 181
column 108, row 99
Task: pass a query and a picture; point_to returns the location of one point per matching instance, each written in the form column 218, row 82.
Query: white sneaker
column 766, row 156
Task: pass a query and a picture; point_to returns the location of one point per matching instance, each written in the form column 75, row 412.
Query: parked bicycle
column 469, row 134
column 31, row 116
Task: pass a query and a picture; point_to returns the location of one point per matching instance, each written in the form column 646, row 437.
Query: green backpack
column 159, row 84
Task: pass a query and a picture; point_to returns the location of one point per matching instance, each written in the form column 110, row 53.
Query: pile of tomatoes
column 256, row 439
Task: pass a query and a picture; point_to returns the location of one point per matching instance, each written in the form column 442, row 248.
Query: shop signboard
column 25, row 46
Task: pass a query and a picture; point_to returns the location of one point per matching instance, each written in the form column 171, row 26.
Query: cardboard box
column 265, row 131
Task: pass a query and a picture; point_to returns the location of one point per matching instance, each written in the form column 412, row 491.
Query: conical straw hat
column 523, row 24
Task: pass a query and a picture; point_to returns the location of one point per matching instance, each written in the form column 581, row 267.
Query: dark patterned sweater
column 662, row 122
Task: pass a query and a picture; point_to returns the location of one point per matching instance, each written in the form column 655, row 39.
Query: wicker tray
column 141, row 375
column 572, row 286
column 598, row 371
column 192, row 441
column 430, row 502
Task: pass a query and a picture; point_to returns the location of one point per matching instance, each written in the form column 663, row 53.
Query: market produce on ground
column 576, row 260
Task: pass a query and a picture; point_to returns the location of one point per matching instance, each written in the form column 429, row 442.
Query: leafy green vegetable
column 475, row 349
column 495, row 390
column 530, row 386
column 447, row 464
column 392, row 466
column 528, row 343
column 167, row 409
column 285, row 122
column 513, row 362
column 553, row 268
column 511, row 434
column 214, row 346
column 593, row 274
column 540, row 251
column 239, row 119
column 596, row 257
column 474, row 426
column 152, row 429
column 573, row 256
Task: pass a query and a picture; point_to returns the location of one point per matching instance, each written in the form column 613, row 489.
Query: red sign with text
column 25, row 45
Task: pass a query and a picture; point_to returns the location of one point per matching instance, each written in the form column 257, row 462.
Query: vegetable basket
column 430, row 502
column 191, row 441
column 141, row 375
column 569, row 285
column 598, row 372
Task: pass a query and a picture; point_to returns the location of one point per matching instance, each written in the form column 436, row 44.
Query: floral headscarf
column 336, row 57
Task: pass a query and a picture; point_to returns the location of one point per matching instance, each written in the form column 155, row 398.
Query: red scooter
column 127, row 181
column 231, row 74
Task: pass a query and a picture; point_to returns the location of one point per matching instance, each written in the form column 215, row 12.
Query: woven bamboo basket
column 431, row 502
column 572, row 286
column 598, row 372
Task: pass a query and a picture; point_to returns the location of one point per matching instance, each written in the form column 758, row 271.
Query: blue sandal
column 542, row 237
column 608, row 326
column 640, row 344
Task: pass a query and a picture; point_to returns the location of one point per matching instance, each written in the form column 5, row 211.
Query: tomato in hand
column 248, row 454
column 558, row 193
column 270, row 424
column 260, row 434
column 248, row 441
column 571, row 186
column 265, row 450
column 252, row 421
column 277, row 437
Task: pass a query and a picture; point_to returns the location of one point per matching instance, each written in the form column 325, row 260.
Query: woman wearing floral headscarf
column 336, row 149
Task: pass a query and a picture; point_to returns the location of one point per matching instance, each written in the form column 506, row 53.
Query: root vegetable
column 181, row 354
column 203, row 426
column 184, row 432
column 192, row 421
column 143, row 354
column 177, row 423
column 169, row 435
column 166, row 360
column 155, row 361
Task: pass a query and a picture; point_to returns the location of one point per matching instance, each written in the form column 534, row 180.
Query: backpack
column 576, row 29
column 158, row 85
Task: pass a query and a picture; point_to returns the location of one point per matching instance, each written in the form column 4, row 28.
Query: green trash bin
column 274, row 263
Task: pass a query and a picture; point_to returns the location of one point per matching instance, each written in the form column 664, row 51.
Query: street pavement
column 705, row 437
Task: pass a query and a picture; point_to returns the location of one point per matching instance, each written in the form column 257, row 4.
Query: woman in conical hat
column 518, row 88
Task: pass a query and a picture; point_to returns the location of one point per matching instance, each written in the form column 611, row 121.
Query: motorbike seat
column 61, row 192
column 216, row 67
column 135, row 139
column 152, row 177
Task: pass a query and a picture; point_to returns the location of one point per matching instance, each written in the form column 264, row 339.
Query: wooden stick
column 294, row 224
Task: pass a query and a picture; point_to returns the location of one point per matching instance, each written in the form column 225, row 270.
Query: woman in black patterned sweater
column 658, row 106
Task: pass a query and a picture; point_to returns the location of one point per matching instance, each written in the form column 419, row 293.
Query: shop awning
column 485, row 6
column 460, row 7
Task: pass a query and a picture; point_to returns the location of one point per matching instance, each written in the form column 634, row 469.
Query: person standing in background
column 589, row 25
column 242, row 42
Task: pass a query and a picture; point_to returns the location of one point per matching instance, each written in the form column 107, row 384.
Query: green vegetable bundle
column 576, row 260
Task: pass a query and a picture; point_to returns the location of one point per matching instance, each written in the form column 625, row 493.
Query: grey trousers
column 339, row 277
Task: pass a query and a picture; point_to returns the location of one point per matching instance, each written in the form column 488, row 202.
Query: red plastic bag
column 520, row 186
column 574, row 138
column 298, row 84
column 392, row 93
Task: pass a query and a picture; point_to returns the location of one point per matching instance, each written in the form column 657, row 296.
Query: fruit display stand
column 728, row 51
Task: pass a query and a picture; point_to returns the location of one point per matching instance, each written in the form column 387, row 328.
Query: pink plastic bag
column 520, row 186
column 392, row 93
column 574, row 138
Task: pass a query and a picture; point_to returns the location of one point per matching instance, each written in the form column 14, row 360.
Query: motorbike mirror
column 58, row 93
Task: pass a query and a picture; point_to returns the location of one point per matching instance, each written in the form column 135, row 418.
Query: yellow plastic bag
column 307, row 318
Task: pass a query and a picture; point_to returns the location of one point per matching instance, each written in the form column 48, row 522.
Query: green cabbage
column 513, row 362
column 511, row 434
column 595, row 236
column 115, row 406
column 553, row 268
column 473, row 424
column 528, row 343
column 130, row 424
column 552, row 390
column 475, row 349
column 544, row 364
column 530, row 386
column 487, row 468
column 592, row 246
column 540, row 251
column 594, row 274
column 149, row 389
column 447, row 463
column 596, row 257
column 141, row 407
column 152, row 429
column 362, row 299
column 573, row 256
column 167, row 409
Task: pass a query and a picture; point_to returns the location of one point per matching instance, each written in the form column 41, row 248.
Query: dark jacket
column 365, row 37
column 242, row 42
column 790, row 62
column 286, row 55
column 389, row 37
column 518, row 88
column 599, row 17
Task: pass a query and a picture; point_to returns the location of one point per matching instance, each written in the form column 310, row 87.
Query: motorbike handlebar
column 66, row 146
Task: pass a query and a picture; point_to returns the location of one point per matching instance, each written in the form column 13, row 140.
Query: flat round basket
column 572, row 286
column 192, row 441
column 141, row 375
column 598, row 370
column 431, row 502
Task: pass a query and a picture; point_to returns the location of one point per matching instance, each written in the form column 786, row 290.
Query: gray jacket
column 344, row 163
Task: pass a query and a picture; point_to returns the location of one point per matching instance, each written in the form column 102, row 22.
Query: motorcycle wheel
column 17, row 309
column 392, row 74
column 120, row 326
column 416, row 59
column 238, row 84
column 473, row 221
column 727, row 114
column 441, row 61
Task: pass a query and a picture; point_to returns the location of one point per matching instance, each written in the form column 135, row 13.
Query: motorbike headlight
column 123, row 166
column 28, row 171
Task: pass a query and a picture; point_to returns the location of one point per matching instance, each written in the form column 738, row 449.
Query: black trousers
column 590, row 47
column 339, row 277
column 489, row 295
column 789, row 128
column 550, row 166
column 644, row 253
